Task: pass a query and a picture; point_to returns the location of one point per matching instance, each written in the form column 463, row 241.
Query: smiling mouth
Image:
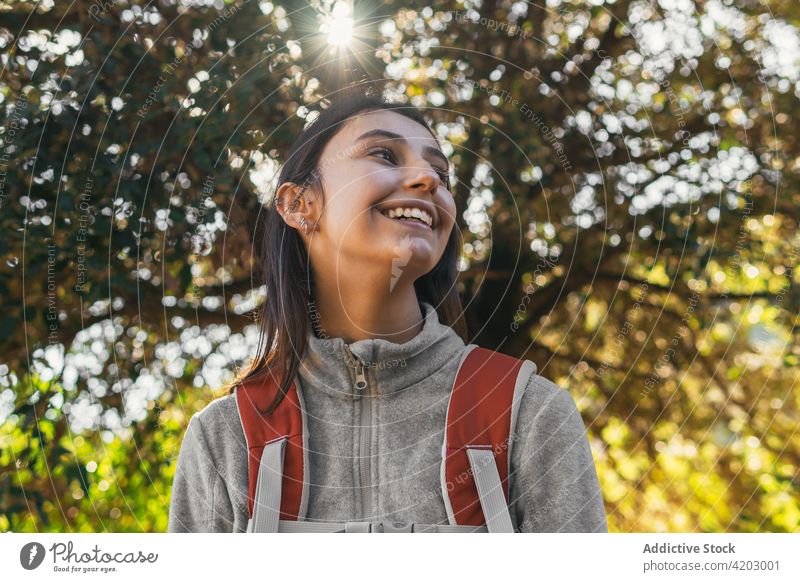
column 409, row 221
column 411, row 215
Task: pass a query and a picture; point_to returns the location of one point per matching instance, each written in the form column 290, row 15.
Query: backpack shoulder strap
column 277, row 455
column 481, row 416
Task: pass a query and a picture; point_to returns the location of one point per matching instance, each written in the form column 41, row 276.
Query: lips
column 412, row 222
column 413, row 211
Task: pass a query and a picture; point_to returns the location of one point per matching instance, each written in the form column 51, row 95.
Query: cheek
column 347, row 213
column 356, row 230
column 354, row 194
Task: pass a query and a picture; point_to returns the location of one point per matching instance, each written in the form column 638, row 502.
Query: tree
column 628, row 175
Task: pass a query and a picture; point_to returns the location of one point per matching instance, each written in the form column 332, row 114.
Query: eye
column 390, row 157
column 387, row 151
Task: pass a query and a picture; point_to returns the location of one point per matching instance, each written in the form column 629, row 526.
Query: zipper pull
column 361, row 377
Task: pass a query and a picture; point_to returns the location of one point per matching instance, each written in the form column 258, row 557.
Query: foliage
column 629, row 178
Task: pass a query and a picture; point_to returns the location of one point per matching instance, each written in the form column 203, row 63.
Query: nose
column 422, row 177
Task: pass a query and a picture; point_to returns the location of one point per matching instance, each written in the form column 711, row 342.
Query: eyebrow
column 436, row 152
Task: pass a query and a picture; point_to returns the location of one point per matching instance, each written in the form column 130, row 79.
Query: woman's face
column 381, row 161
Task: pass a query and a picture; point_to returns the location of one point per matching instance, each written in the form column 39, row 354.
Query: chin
column 412, row 252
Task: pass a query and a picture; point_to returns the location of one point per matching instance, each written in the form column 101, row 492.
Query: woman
column 360, row 256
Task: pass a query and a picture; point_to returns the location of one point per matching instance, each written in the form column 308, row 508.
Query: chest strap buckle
column 395, row 526
column 379, row 527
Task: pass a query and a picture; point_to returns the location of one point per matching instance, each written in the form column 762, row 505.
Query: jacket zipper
column 362, row 387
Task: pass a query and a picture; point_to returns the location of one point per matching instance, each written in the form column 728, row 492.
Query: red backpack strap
column 287, row 422
column 481, row 416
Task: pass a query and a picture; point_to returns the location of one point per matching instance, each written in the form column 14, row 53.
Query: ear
column 293, row 203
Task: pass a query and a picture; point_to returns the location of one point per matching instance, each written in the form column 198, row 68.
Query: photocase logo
column 402, row 254
column 31, row 555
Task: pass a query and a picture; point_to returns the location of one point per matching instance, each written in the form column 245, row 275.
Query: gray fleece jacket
column 553, row 484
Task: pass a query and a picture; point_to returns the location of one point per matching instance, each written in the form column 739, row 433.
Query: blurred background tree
column 628, row 179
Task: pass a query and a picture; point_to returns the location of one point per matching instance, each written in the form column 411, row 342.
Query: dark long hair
column 284, row 318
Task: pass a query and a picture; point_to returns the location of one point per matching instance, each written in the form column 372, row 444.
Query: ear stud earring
column 307, row 228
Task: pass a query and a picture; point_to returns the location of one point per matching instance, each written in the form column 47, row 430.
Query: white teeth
column 410, row 213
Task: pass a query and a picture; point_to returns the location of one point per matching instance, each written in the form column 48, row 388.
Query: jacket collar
column 388, row 366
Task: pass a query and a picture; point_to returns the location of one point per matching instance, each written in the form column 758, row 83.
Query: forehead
column 417, row 135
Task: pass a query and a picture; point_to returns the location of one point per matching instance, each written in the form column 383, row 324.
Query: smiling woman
column 400, row 166
column 327, row 240
column 365, row 401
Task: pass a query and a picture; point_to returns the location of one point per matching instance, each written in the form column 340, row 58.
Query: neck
column 356, row 309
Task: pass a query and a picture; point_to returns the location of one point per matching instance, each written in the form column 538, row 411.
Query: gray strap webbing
column 490, row 490
column 436, row 528
column 286, row 526
column 267, row 505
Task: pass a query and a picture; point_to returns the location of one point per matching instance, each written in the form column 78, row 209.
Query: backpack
column 481, row 415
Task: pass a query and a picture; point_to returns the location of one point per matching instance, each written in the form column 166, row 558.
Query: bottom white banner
column 618, row 557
